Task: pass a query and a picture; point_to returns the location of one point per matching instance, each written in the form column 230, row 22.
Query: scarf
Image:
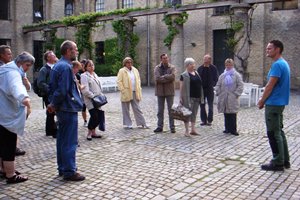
column 228, row 80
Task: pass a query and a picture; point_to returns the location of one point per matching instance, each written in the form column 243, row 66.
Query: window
column 285, row 5
column 38, row 14
column 172, row 2
column 222, row 10
column 4, row 9
column 127, row 3
column 99, row 7
column 69, row 7
column 38, row 54
column 5, row 42
column 100, row 54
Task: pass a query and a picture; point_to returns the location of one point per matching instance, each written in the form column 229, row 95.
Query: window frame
column 100, row 5
column 127, row 3
column 69, row 11
column 37, row 8
column 6, row 10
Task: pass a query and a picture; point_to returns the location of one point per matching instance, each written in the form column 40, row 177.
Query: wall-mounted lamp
column 193, row 44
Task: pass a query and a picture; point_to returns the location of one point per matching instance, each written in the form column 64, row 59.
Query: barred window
column 172, row 2
column 4, row 9
column 38, row 14
column 222, row 10
column 69, row 7
column 127, row 3
column 285, row 5
column 99, row 7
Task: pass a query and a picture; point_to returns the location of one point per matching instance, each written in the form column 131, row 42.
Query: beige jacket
column 91, row 87
column 125, row 86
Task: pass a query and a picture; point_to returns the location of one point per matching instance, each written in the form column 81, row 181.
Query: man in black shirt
column 43, row 84
column 209, row 76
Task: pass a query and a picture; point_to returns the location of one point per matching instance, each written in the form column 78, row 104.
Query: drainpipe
column 148, row 46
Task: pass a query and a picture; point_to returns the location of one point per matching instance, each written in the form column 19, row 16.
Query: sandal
column 16, row 179
column 3, row 174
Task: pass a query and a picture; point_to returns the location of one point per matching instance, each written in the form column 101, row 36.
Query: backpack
column 36, row 89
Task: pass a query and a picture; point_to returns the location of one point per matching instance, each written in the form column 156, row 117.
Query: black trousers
column 209, row 98
column 94, row 119
column 8, row 144
column 230, row 122
column 51, row 127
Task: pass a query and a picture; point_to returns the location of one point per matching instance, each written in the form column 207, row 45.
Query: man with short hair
column 43, row 84
column 209, row 76
column 66, row 101
column 5, row 54
column 275, row 97
column 164, row 75
column 6, row 57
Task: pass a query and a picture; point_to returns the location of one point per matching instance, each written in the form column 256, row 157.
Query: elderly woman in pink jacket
column 129, row 84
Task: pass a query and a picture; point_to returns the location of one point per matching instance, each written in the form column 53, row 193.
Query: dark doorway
column 221, row 50
column 38, row 55
column 100, row 52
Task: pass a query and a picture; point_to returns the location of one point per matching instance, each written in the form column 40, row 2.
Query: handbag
column 99, row 101
column 180, row 112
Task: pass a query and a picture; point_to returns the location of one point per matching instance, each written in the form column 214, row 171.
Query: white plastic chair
column 247, row 93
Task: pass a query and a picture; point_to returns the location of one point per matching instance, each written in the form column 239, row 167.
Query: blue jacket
column 63, row 92
column 12, row 93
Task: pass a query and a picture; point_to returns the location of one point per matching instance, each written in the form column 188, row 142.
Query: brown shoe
column 194, row 133
column 75, row 177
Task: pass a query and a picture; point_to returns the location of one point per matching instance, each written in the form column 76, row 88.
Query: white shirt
column 132, row 77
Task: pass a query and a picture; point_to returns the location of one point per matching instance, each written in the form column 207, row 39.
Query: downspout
column 148, row 46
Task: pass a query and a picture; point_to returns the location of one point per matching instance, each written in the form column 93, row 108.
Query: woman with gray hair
column 13, row 101
column 191, row 93
column 228, row 89
column 22, row 58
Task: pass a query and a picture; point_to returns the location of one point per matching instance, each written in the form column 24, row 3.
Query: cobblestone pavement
column 138, row 164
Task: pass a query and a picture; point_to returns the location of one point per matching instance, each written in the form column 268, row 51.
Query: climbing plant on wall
column 127, row 43
column 171, row 24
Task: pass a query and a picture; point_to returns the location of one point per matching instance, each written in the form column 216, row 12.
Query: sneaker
column 158, row 130
column 75, row 177
column 20, row 152
column 208, row 124
column 203, row 124
column 128, row 127
column 287, row 164
column 173, row 130
column 272, row 167
column 85, row 124
column 16, row 179
column 225, row 131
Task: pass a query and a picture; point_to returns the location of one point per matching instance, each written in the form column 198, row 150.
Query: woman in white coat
column 228, row 89
column 91, row 87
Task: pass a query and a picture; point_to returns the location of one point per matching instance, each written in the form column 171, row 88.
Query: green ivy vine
column 124, row 36
column 83, row 38
column 235, row 27
column 171, row 24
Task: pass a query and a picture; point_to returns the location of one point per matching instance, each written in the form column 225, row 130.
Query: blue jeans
column 66, row 142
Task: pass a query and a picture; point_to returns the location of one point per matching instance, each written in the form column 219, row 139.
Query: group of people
column 66, row 95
